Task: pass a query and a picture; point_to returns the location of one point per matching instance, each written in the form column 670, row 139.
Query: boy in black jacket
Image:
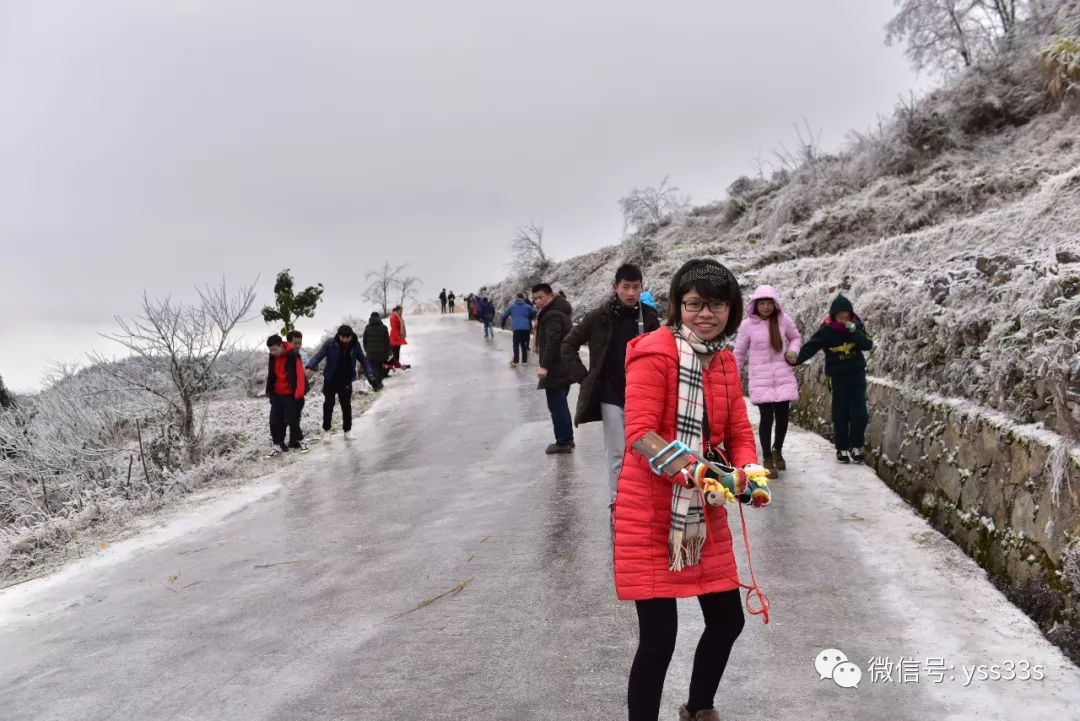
column 844, row 339
column 285, row 387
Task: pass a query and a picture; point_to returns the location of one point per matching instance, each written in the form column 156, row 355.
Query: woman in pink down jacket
column 769, row 337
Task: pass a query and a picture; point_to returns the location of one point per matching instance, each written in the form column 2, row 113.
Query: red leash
column 752, row 591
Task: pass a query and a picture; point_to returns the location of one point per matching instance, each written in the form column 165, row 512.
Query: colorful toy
column 717, row 482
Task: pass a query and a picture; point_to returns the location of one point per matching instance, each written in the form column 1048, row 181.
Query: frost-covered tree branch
column 645, row 206
column 175, row 349
column 528, row 258
column 383, row 283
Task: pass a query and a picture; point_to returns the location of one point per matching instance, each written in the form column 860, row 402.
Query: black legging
column 658, row 623
column 780, row 411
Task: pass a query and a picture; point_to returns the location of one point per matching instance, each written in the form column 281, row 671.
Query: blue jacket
column 486, row 311
column 522, row 314
column 332, row 352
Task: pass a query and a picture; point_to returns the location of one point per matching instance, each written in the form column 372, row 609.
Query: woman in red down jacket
column 397, row 336
column 705, row 309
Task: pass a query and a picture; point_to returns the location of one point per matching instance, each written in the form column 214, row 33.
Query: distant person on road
column 377, row 344
column 450, row 299
column 285, row 386
column 521, row 315
column 397, row 337
column 844, row 339
column 442, row 300
column 487, row 316
column 768, row 338
column 607, row 329
column 296, row 433
column 553, row 323
column 342, row 353
column 682, row 383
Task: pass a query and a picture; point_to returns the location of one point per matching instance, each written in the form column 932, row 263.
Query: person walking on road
column 342, row 353
column 285, row 387
column 486, row 312
column 607, row 329
column 553, row 323
column 377, row 344
column 682, row 383
column 521, row 315
column 450, row 298
column 442, row 300
column 296, row 432
column 844, row 339
column 768, row 337
column 397, row 337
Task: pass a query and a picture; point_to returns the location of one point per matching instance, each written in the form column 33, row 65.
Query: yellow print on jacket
column 845, row 351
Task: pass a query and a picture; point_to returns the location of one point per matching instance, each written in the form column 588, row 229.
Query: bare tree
column 528, row 258
column 650, row 205
column 383, row 283
column 175, row 348
column 950, row 34
column 408, row 288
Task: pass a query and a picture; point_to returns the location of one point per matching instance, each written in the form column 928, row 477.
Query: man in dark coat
column 552, row 325
column 377, row 344
column 607, row 329
column 342, row 354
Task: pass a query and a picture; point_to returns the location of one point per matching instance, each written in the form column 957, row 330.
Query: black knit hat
column 345, row 330
column 841, row 304
column 375, row 317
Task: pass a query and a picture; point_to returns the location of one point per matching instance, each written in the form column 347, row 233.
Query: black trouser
column 849, row 412
column 521, row 343
column 283, row 414
column 779, row 411
column 658, row 623
column 395, row 354
column 343, row 393
column 296, row 434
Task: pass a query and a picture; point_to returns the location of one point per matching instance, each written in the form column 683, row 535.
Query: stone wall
column 1008, row 495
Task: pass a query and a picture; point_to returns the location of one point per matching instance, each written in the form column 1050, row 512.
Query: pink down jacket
column 772, row 380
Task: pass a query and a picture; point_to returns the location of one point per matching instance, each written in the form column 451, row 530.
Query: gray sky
column 163, row 144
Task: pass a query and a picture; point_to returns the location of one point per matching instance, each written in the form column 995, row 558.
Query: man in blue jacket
column 342, row 353
column 522, row 315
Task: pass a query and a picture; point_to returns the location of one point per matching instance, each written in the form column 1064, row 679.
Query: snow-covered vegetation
column 953, row 225
column 81, row 459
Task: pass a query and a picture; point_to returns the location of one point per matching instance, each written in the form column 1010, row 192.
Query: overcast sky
column 158, row 145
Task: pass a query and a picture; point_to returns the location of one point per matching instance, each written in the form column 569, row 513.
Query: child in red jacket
column 682, row 383
column 285, row 386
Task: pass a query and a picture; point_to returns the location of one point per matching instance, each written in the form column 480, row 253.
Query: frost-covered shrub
column 1060, row 64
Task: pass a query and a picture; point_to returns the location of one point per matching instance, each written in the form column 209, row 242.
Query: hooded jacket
column 643, row 502
column 335, row 354
column 521, row 315
column 772, row 380
column 376, row 341
column 843, row 348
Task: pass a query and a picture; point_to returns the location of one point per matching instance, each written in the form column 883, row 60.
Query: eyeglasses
column 716, row 306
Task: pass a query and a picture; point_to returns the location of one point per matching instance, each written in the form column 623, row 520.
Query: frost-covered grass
column 953, row 227
column 71, row 472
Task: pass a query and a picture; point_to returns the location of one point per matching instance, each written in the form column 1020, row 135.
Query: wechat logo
column 833, row 663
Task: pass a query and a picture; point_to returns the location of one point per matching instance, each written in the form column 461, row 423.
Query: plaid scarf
column 687, row 535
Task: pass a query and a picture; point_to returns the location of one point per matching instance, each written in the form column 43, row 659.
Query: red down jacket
column 643, row 502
